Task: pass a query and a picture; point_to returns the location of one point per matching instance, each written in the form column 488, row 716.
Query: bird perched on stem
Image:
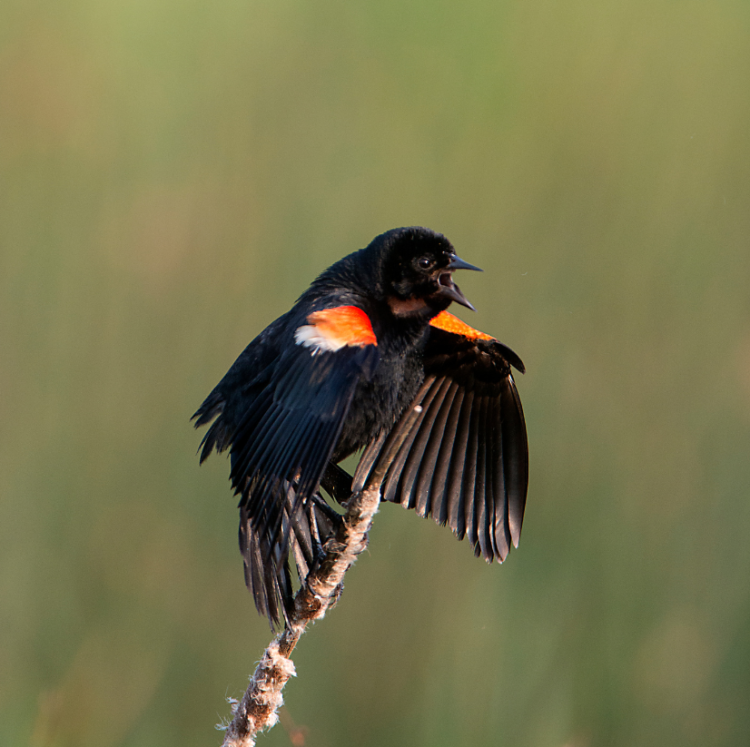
column 368, row 338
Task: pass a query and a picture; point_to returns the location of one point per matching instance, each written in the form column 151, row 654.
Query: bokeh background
column 173, row 174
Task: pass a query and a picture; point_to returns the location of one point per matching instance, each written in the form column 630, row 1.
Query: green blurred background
column 173, row 174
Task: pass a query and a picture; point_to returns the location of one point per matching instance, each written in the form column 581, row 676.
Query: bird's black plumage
column 334, row 375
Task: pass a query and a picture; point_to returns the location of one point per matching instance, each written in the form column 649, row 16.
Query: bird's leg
column 337, row 482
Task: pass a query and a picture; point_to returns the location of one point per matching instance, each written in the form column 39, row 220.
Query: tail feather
column 268, row 572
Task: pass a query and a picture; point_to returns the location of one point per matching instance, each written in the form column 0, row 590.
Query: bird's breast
column 378, row 403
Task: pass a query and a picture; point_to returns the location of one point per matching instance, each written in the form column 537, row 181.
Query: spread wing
column 465, row 459
column 282, row 431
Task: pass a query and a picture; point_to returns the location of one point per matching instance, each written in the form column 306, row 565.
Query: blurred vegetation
column 173, row 174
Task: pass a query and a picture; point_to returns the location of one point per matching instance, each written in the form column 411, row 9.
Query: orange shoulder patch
column 332, row 329
column 454, row 325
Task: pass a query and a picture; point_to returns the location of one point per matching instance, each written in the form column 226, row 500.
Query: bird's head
column 418, row 266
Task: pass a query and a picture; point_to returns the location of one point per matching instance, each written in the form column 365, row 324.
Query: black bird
column 369, row 337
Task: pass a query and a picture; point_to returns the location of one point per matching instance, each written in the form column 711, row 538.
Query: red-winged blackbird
column 369, row 337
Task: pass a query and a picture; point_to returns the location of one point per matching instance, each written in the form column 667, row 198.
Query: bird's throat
column 406, row 306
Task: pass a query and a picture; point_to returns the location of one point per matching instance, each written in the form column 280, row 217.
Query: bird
column 335, row 375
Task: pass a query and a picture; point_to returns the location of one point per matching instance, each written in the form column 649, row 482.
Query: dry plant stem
column 257, row 709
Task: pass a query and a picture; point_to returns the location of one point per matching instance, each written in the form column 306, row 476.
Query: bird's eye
column 425, row 263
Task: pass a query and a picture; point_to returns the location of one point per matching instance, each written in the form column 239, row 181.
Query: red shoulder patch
column 449, row 323
column 332, row 329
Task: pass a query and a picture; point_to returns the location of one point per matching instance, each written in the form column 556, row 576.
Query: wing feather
column 515, row 458
column 500, row 530
column 483, row 491
column 440, row 482
column 456, row 516
column 470, row 475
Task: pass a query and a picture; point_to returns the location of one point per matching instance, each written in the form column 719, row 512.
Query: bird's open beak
column 449, row 288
